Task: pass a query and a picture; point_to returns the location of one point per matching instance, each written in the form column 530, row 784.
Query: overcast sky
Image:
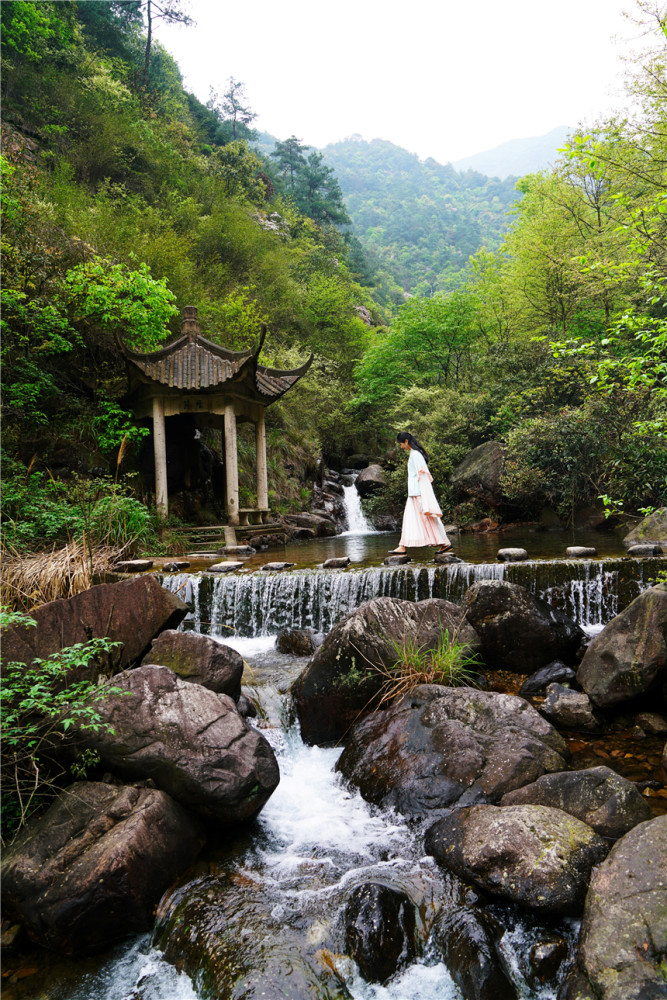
column 443, row 78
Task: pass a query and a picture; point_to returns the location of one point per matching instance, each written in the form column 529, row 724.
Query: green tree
column 290, row 159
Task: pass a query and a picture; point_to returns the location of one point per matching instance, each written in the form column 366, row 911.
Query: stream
column 265, row 908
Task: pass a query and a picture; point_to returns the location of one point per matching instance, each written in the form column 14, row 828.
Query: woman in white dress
column 422, row 518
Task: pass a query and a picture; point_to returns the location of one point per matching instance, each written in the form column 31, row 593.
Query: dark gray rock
column 386, row 522
column 237, row 550
column 623, row 941
column 580, row 552
column 538, row 857
column 298, row 641
column 370, row 480
column 397, row 560
column 518, row 631
column 651, row 722
column 511, row 555
column 91, row 869
column 463, row 937
column 446, row 559
column 192, row 742
column 346, row 674
column 478, row 475
column 133, row 565
column 379, row 931
column 651, row 531
column 569, row 709
column 175, row 565
column 545, row 960
column 553, row 673
column 339, row 562
column 133, row 612
column 199, row 659
column 439, row 746
column 645, row 550
column 629, row 656
column 608, row 803
column 275, row 567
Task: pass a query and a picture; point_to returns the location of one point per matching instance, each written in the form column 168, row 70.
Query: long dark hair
column 413, row 442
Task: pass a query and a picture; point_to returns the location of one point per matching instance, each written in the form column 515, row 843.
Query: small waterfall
column 357, row 524
column 254, row 604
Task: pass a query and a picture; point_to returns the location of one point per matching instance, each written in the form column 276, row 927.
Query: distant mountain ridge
column 518, row 156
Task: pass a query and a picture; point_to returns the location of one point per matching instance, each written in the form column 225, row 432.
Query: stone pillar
column 160, row 452
column 260, row 450
column 231, row 465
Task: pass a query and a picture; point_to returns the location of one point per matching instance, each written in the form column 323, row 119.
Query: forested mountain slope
column 421, row 220
column 517, row 156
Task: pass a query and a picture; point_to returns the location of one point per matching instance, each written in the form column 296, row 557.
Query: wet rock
column 446, row 559
column 332, row 487
column 478, row 475
column 519, row 632
column 199, row 659
column 276, row 567
column 463, row 937
column 175, row 565
column 580, row 552
column 191, row 741
column 298, row 641
column 651, row 531
column 623, row 941
column 370, row 480
column 246, row 708
column 133, row 565
column 651, row 722
column 545, row 960
column 538, row 857
column 629, row 656
column 133, row 611
column 237, row 550
column 439, row 746
column 511, row 555
column 645, row 550
column 228, row 566
column 347, row 672
column 397, row 560
column 304, row 533
column 553, row 673
column 608, row 803
column 569, row 709
column 379, row 931
column 386, row 522
column 91, row 869
column 339, row 562
column 576, row 986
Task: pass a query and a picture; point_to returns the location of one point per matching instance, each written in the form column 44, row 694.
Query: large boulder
column 92, row 868
column 346, row 674
column 191, row 741
column 464, row 937
column 608, row 803
column 623, row 942
column 380, row 930
column 629, row 656
column 438, row 746
column 538, row 857
column 370, row 480
column 478, row 476
column 133, row 612
column 651, row 531
column 519, row 631
column 200, row 660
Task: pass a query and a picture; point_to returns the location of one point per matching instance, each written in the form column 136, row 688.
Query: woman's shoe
column 397, row 552
column 443, row 548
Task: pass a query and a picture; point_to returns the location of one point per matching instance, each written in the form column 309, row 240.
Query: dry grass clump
column 30, row 580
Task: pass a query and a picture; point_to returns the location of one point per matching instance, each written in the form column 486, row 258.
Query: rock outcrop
column 190, row 741
column 623, row 942
column 370, row 480
column 608, row 803
column 439, row 746
column 518, row 631
column 629, row 656
column 651, row 531
column 536, row 856
column 199, row 659
column 345, row 675
column 478, row 475
column 91, row 869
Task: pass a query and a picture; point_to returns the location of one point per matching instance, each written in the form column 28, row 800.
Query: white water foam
column 357, row 522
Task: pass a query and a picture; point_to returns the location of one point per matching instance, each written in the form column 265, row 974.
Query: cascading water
column 590, row 591
column 357, row 522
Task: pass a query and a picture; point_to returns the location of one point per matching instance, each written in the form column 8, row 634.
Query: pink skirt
column 421, row 529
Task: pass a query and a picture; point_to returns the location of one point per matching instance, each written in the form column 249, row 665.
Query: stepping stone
column 580, row 552
column 511, row 555
column 237, row 550
column 134, row 565
column 274, row 566
column 645, row 550
column 173, row 567
column 446, row 559
column 202, row 555
column 340, row 562
column 225, row 567
column 398, row 560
